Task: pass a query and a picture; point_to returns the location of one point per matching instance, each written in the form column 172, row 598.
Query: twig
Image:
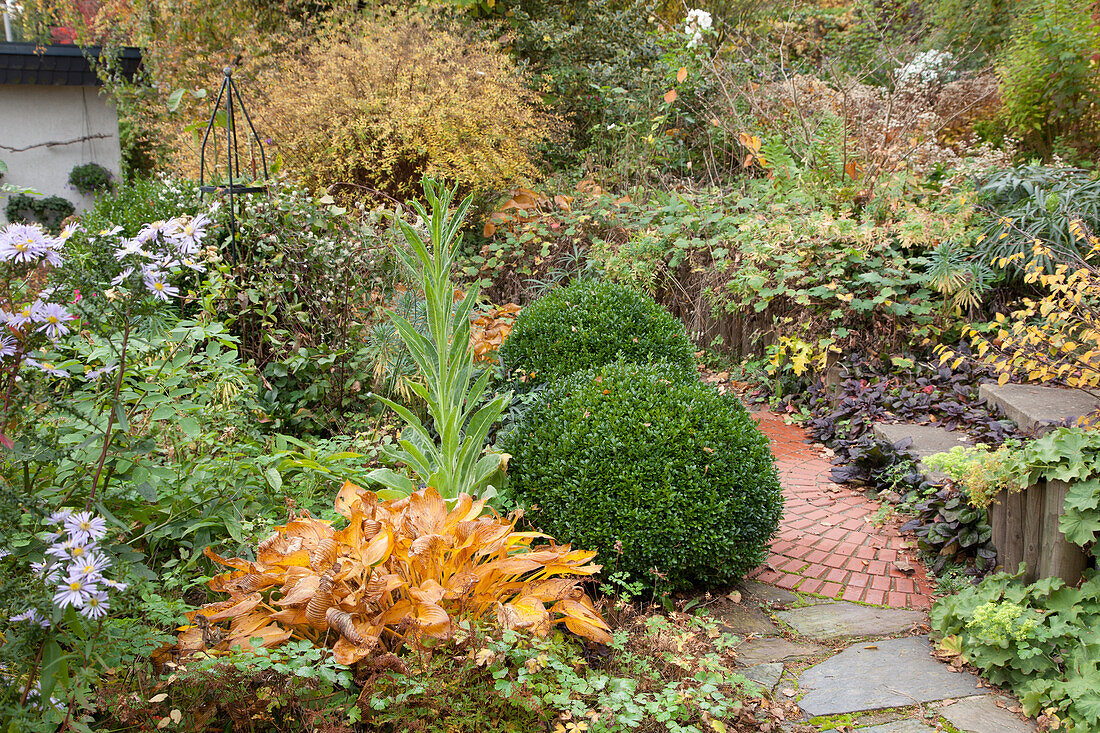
column 57, row 143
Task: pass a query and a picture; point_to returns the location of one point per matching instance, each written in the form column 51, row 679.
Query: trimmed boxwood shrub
column 589, row 323
column 651, row 471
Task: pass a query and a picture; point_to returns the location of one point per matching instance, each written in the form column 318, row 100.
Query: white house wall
column 33, row 117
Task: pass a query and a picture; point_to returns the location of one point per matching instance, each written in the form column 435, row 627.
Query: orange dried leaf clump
column 402, row 571
column 488, row 330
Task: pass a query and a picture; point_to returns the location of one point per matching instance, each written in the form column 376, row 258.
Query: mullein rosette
column 74, row 568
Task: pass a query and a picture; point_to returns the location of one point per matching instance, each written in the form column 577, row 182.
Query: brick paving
column 828, row 543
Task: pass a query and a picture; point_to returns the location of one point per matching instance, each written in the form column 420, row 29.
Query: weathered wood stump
column 1025, row 529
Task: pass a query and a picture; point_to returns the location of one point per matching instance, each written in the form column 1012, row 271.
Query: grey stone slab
column 765, row 675
column 982, row 715
column 909, row 725
column 882, row 674
column 767, row 594
column 1030, row 405
column 840, row 619
column 927, row 440
column 747, row 619
column 774, row 649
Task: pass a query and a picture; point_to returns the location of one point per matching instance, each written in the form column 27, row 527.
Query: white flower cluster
column 929, row 67
column 160, row 250
column 697, row 23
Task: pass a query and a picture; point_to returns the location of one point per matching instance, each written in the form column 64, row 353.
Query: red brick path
column 828, row 543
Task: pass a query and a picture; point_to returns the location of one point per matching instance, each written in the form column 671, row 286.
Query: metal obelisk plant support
column 234, row 185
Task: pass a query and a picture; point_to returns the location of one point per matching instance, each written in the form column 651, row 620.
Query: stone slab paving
column 746, row 619
column 767, row 594
column 983, row 715
column 927, row 441
column 1030, row 405
column 882, row 674
column 774, row 649
column 898, row 726
column 765, row 675
column 829, row 621
column 828, row 543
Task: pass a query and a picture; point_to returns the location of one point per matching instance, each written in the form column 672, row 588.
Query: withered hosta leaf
column 409, row 565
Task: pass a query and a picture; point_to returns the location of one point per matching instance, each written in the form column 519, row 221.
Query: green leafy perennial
column 455, row 464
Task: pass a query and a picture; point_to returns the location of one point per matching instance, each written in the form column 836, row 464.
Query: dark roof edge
column 63, row 49
column 59, row 64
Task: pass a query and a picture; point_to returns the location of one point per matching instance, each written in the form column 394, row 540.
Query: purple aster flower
column 53, row 257
column 91, row 567
column 192, row 232
column 156, row 229
column 84, row 527
column 7, row 346
column 161, row 289
column 130, row 247
column 49, row 573
column 67, row 233
column 115, row 584
column 33, row 616
column 117, row 280
column 4, row 553
column 52, row 316
column 59, row 516
column 71, row 549
column 21, row 316
column 74, row 592
column 23, row 243
column 96, row 605
column 51, row 369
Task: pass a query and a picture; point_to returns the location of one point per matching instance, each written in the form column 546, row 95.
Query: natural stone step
column 765, row 675
column 882, row 674
column 743, row 620
column 1033, row 405
column 983, row 715
column 927, row 441
column 774, row 649
column 842, row 619
column 908, row 725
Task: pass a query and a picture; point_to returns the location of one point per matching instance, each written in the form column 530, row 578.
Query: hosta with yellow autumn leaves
column 401, row 572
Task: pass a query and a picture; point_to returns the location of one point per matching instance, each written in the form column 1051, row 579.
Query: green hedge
column 675, row 472
column 589, row 323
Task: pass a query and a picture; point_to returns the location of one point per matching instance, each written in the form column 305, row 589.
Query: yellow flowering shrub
column 380, row 103
column 375, row 101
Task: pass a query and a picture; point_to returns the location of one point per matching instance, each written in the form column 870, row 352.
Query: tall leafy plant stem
column 450, row 391
column 115, row 407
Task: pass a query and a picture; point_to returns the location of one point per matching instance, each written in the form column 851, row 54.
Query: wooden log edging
column 1025, row 529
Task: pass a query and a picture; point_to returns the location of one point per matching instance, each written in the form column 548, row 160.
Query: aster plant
column 36, row 314
column 68, row 601
column 51, row 337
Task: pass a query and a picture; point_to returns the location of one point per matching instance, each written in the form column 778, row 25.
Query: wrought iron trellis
column 234, row 185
